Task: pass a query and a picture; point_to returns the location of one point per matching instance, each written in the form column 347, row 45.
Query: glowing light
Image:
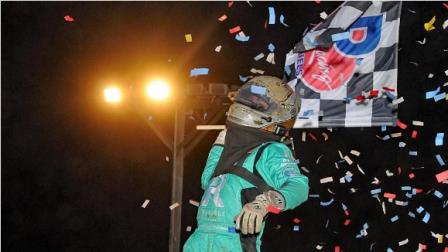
column 158, row 90
column 112, row 95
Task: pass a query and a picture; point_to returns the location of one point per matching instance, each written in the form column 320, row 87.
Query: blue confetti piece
column 411, row 214
column 439, row 97
column 406, row 188
column 271, row 15
column 375, row 191
column 413, row 153
column 426, row 218
column 438, row 194
column 282, row 20
column 242, row 38
column 348, row 178
column 258, row 57
column 198, row 71
column 440, row 160
column 344, row 207
column 296, row 228
column 385, row 138
column 287, row 70
column 231, row 230
column 365, row 226
column 389, row 250
column 431, row 94
column 414, row 191
column 244, row 78
column 327, row 203
column 439, row 139
column 394, row 219
column 271, row 47
column 420, row 209
column 340, row 36
column 383, row 128
column 258, row 90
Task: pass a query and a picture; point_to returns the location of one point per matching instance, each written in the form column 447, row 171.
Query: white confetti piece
column 188, row 229
column 323, row 15
column 403, row 242
column 145, row 203
column 342, row 180
column 325, row 135
column 418, row 123
column 303, row 136
column 173, row 206
column 421, row 42
column 398, row 101
column 395, row 135
column 360, row 170
column 355, row 152
column 340, row 154
column 253, row 70
column 304, row 169
column 326, row 180
column 383, row 206
column 430, row 75
column 401, row 144
column 271, row 58
column 445, row 24
column 194, row 203
column 446, row 72
column 348, row 160
column 318, row 159
column 218, row 48
column 389, row 174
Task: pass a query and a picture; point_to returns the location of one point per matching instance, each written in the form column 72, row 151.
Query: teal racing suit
column 223, row 197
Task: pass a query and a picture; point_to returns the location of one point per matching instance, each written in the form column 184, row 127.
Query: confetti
column 414, row 134
column 198, row 71
column 325, row 135
column 442, row 176
column 229, row 4
column 222, row 18
column 194, row 203
column 218, row 48
column 244, row 78
column 242, row 37
column 188, row 229
column 326, row 203
column 401, row 125
column 258, row 57
column 422, row 42
column 440, row 160
column 271, row 58
column 418, row 123
column 323, row 15
column 348, row 160
column 394, row 219
column 398, row 101
column 235, row 29
column 431, row 94
column 439, row 139
column 188, row 38
column 326, row 180
column 445, row 24
column 271, row 15
column 253, row 70
column 173, row 206
column 429, row 26
column 395, row 135
column 355, row 152
column 438, row 194
column 296, row 228
column 69, row 18
column 426, row 217
column 389, row 195
column 145, row 203
column 271, row 47
column 282, row 20
column 439, row 97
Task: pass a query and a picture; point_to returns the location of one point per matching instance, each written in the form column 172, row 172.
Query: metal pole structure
column 177, row 180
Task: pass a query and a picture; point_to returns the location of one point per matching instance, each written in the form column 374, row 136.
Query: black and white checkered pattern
column 375, row 70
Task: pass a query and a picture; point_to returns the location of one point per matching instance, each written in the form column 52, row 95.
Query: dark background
column 76, row 171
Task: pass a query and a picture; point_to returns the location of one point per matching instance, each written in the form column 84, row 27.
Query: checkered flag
column 345, row 68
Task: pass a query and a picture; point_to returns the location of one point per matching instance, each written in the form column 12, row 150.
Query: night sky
column 75, row 171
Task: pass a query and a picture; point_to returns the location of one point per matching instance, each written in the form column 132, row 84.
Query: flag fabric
column 345, row 69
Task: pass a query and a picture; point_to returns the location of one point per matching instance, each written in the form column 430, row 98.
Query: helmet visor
column 256, row 97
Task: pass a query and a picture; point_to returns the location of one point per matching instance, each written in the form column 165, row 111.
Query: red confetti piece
column 69, row 19
column 446, row 5
column 401, row 125
column 418, row 190
column 390, row 195
column 442, row 176
column 229, row 4
column 222, row 18
column 374, row 93
column 317, row 1
column 446, row 248
column 337, row 249
column 235, row 29
column 411, row 175
column 312, row 136
column 360, row 98
column 296, row 220
column 414, row 134
column 347, row 222
column 389, row 89
column 265, row 24
column 347, row 212
column 273, row 210
column 399, row 170
column 422, row 246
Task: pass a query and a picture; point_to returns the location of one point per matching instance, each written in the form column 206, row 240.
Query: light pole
column 180, row 145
